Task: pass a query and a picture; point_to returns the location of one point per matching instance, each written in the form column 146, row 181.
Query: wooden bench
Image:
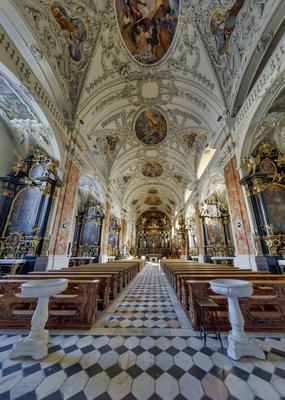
column 75, row 308
column 263, row 311
column 103, row 288
column 183, row 292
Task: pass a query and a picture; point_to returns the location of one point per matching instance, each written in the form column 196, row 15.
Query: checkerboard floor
column 147, row 304
column 80, row 367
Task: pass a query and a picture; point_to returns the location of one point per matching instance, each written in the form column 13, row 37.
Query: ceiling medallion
column 147, row 27
column 152, row 169
column 150, row 126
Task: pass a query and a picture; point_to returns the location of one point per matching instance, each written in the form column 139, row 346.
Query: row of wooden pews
column 90, row 289
column 263, row 311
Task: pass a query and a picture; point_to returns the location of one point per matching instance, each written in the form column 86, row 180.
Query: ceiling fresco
column 152, row 169
column 150, row 126
column 223, row 23
column 147, row 27
column 74, row 29
column 152, row 81
column 12, row 105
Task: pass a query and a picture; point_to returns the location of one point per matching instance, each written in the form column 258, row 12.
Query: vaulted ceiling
column 195, row 86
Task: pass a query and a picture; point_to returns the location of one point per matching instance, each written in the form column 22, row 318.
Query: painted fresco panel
column 150, row 127
column 74, row 29
column 223, row 23
column 11, row 103
column 152, row 169
column 147, row 27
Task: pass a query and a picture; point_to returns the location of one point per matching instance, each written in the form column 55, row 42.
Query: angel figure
column 18, row 164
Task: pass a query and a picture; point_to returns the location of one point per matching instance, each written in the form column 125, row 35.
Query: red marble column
column 200, row 237
column 105, row 232
column 63, row 218
column 124, row 236
column 243, row 238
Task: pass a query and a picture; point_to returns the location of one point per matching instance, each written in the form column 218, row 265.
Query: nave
column 142, row 348
column 142, row 199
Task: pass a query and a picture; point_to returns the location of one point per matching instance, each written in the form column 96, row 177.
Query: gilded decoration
column 150, row 126
column 265, row 187
column 216, row 228
column 153, row 233
column 147, row 27
column 152, row 169
column 26, row 197
column 88, row 229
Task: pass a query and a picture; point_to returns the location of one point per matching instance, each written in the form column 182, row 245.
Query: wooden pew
column 264, row 311
column 105, row 283
column 128, row 271
column 75, row 308
column 183, row 290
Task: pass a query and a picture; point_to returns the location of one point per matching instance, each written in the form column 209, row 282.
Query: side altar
column 26, row 197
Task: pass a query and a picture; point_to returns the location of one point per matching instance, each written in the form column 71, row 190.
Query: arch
column 25, row 118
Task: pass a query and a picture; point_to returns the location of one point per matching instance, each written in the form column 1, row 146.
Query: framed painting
column 274, row 201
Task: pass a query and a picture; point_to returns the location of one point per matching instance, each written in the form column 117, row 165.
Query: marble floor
column 142, row 348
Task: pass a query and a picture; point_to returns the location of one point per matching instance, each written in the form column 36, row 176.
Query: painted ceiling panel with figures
column 150, row 81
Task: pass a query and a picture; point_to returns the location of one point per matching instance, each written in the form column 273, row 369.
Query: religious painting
column 153, row 201
column 215, row 233
column 190, row 139
column 24, row 212
column 274, row 201
column 150, row 127
column 89, row 235
column 74, row 29
column 152, row 169
column 12, row 105
column 112, row 141
column 223, row 23
column 126, row 179
column 147, row 27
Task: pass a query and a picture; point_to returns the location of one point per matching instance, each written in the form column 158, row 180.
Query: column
column 244, row 246
column 105, row 233
column 62, row 224
column 200, row 237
